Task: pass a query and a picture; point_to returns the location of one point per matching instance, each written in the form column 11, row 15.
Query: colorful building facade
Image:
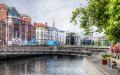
column 10, row 16
column 2, row 33
column 26, row 29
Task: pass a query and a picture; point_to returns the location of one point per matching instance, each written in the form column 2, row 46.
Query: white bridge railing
column 8, row 50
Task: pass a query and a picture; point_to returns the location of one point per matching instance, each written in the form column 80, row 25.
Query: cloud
column 44, row 11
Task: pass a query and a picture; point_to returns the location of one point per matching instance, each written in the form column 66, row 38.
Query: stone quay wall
column 92, row 69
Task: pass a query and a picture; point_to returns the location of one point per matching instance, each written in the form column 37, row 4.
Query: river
column 43, row 65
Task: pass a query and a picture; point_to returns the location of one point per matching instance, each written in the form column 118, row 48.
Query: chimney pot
column 46, row 23
column 34, row 23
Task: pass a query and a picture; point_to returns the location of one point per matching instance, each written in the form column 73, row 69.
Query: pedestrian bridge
column 52, row 50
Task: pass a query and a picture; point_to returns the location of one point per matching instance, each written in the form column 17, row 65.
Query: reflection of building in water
column 7, row 70
column 37, row 67
column 41, row 66
column 51, row 65
column 16, row 68
column 25, row 67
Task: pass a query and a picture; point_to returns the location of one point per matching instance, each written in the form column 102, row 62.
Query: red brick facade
column 3, row 13
column 26, row 27
column 13, row 23
column 2, row 32
column 19, row 26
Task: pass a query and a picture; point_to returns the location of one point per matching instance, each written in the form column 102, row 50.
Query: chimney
column 46, row 23
column 34, row 23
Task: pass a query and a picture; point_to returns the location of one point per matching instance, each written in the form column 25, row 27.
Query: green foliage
column 106, row 56
column 104, row 14
column 105, row 43
column 98, row 43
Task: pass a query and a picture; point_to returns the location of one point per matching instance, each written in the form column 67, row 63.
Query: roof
column 40, row 25
column 24, row 15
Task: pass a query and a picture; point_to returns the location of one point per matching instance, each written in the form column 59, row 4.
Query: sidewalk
column 106, row 68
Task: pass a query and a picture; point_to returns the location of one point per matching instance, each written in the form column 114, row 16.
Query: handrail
column 6, row 50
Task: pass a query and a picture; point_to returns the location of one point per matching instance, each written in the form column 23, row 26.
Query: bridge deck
column 50, row 50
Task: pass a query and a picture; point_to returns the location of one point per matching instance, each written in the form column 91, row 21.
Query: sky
column 42, row 11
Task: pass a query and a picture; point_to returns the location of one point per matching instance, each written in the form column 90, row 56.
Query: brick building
column 2, row 32
column 10, row 16
column 26, row 29
column 33, row 35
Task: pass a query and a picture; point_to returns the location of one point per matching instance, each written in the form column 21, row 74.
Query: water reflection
column 43, row 65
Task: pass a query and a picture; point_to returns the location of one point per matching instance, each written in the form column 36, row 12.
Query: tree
column 98, row 43
column 105, row 43
column 104, row 14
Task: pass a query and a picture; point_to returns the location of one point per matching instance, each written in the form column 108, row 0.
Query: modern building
column 67, row 39
column 62, row 37
column 79, row 38
column 42, row 33
column 2, row 32
column 54, row 34
column 10, row 16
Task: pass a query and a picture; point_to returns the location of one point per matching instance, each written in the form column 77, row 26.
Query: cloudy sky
column 42, row 11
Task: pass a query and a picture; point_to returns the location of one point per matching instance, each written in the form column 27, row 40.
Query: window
column 41, row 37
column 41, row 32
column 37, row 28
column 41, row 28
column 3, row 20
column 1, row 38
column 37, row 32
column 37, row 37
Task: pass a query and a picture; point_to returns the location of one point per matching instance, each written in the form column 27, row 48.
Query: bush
column 106, row 56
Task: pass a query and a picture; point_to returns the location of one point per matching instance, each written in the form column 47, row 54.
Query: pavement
column 106, row 68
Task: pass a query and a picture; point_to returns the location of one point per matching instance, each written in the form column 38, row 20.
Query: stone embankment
column 91, row 68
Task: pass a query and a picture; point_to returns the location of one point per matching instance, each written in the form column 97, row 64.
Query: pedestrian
column 117, row 71
column 113, row 64
column 55, row 48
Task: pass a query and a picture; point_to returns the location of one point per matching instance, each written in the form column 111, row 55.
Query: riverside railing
column 84, row 46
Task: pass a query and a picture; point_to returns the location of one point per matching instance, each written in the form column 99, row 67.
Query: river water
column 43, row 65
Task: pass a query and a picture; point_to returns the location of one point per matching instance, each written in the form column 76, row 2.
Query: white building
column 42, row 33
column 78, row 39
column 54, row 34
column 62, row 37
